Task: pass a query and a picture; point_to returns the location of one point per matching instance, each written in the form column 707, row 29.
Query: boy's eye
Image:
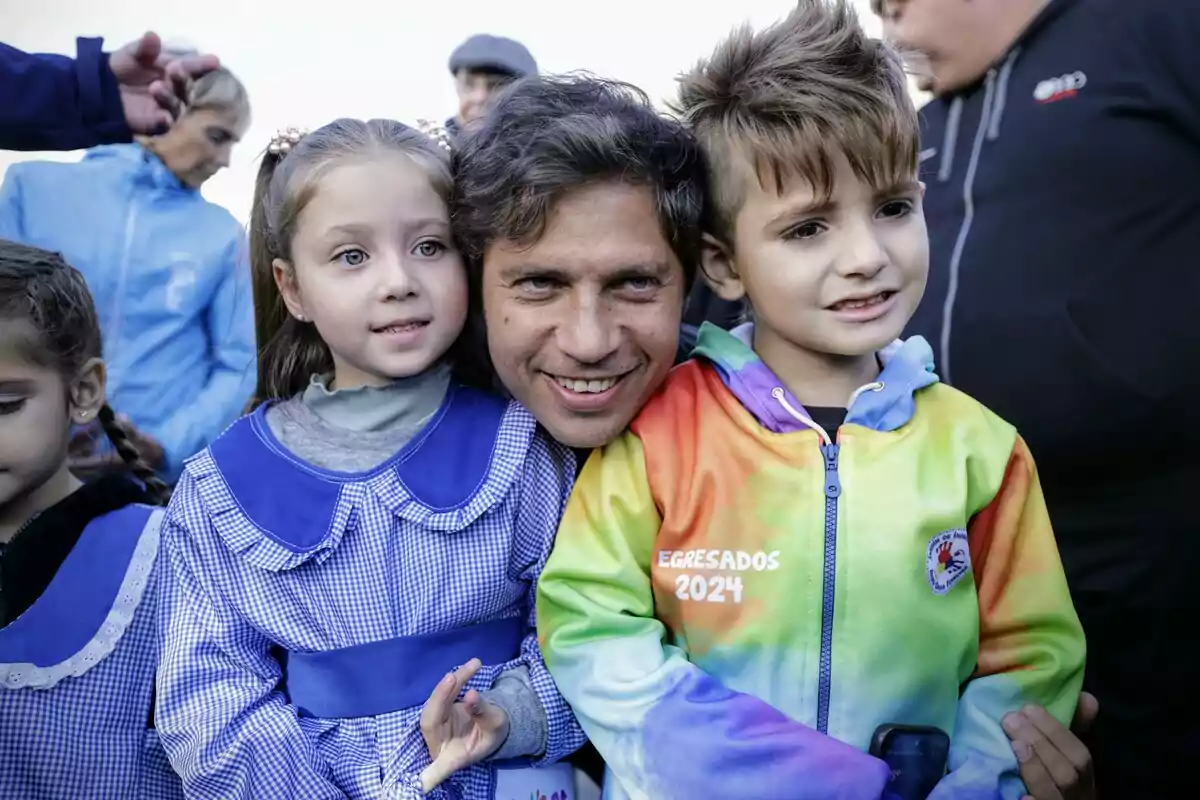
column 895, row 208
column 806, row 230
column 354, row 257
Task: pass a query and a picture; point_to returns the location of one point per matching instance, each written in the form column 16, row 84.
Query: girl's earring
column 301, row 318
column 83, row 416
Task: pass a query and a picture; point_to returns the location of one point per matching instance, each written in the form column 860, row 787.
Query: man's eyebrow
column 644, row 270
column 517, row 272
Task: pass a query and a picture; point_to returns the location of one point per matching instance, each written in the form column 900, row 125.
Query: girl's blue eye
column 430, row 248
column 353, row 257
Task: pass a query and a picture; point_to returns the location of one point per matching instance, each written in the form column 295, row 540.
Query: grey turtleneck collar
column 353, row 430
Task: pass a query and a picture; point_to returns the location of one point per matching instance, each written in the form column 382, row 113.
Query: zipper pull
column 833, row 484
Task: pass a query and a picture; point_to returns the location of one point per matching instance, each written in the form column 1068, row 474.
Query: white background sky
column 382, row 58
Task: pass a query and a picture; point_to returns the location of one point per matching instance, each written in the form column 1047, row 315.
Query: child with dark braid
column 78, row 574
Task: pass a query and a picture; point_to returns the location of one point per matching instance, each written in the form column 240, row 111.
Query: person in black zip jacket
column 1061, row 157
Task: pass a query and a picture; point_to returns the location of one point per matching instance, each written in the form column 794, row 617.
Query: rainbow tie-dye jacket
column 734, row 604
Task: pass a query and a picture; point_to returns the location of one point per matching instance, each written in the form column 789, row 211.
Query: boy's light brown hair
column 784, row 102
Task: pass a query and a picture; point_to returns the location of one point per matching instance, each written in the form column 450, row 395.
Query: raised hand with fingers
column 154, row 85
column 1055, row 764
column 458, row 731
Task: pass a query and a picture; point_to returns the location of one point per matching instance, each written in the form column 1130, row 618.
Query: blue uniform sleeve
column 546, row 485
column 51, row 102
column 231, row 379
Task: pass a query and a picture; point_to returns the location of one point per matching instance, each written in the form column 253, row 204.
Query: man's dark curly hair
column 547, row 136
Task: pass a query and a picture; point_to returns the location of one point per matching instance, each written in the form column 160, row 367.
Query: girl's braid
column 122, row 440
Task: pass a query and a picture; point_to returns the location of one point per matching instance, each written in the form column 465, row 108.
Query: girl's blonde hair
column 290, row 351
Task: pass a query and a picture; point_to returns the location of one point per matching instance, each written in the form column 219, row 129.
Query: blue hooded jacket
column 170, row 277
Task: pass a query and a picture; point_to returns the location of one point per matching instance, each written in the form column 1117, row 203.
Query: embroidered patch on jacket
column 947, row 559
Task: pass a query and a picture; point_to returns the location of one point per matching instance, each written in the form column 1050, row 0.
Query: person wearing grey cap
column 482, row 65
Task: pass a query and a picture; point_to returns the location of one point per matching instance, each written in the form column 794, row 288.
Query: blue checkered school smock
column 271, row 554
column 77, row 673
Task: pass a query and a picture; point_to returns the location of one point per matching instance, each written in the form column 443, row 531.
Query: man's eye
column 643, row 284
column 537, row 284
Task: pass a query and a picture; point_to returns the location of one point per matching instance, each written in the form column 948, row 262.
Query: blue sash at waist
column 367, row 680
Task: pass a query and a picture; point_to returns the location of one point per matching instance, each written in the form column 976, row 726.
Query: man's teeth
column 587, row 387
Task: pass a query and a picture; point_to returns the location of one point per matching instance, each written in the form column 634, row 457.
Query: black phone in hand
column 917, row 755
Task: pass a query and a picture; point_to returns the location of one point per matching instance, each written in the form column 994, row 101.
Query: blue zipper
column 833, row 490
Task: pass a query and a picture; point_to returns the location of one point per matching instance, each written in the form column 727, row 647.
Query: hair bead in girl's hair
column 284, row 140
column 404, row 510
column 77, row 560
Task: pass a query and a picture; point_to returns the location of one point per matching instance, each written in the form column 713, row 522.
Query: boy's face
column 840, row 278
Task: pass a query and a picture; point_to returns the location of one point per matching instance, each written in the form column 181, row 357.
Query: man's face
column 916, row 63
column 475, row 91
column 584, row 323
column 200, row 144
column 956, row 39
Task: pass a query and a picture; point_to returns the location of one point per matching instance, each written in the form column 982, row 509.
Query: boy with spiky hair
column 805, row 536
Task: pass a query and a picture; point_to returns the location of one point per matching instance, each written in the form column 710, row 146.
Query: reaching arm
column 1031, row 646
column 231, row 380
column 52, row 102
column 666, row 728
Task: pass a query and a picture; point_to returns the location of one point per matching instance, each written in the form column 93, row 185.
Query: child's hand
column 457, row 732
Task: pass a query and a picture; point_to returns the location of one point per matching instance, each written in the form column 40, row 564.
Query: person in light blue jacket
column 168, row 270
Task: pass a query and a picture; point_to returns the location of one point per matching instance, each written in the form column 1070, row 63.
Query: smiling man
column 580, row 210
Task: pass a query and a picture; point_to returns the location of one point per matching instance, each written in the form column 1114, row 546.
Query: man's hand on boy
column 459, row 732
column 1055, row 764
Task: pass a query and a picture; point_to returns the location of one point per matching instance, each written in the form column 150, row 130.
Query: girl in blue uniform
column 78, row 575
column 369, row 537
